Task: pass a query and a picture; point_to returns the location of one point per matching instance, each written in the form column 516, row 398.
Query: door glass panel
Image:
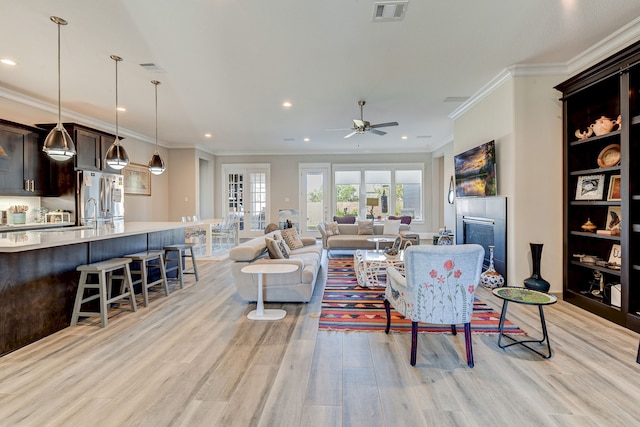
column 315, row 200
column 258, row 200
column 235, row 196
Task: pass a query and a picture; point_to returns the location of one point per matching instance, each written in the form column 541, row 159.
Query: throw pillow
column 290, row 235
column 273, row 248
column 365, row 227
column 283, row 248
column 345, row 219
column 391, row 226
column 331, row 229
column 405, row 219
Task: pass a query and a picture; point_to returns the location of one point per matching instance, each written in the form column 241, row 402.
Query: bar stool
column 147, row 261
column 177, row 254
column 104, row 270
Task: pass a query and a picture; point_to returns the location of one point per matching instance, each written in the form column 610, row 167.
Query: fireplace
column 483, row 221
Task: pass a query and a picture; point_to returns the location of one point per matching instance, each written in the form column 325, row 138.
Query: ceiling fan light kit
column 361, row 126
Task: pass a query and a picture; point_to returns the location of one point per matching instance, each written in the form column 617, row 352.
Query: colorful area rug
column 349, row 307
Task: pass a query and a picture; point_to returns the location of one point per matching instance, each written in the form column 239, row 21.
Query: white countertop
column 18, row 241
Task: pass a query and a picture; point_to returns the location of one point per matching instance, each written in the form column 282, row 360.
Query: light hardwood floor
column 194, row 359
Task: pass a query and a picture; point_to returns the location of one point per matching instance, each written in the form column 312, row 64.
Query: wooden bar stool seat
column 146, row 262
column 105, row 272
column 177, row 254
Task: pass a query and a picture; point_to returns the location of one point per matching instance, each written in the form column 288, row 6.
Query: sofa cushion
column 331, row 228
column 391, row 226
column 345, row 219
column 365, row 227
column 248, row 251
column 290, row 235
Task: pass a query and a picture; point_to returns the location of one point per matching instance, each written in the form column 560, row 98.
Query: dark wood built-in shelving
column 611, row 89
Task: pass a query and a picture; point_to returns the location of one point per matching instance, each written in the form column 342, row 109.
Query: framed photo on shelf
column 614, row 218
column 615, row 257
column 590, row 187
column 137, row 179
column 614, row 188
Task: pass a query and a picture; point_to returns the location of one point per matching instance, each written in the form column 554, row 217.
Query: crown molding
column 73, row 116
column 618, row 40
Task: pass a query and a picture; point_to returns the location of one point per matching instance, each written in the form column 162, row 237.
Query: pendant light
column 451, row 195
column 117, row 157
column 156, row 164
column 58, row 144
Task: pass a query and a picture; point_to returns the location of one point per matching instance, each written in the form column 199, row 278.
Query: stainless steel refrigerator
column 100, row 198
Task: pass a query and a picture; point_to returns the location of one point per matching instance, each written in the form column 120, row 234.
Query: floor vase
column 536, row 282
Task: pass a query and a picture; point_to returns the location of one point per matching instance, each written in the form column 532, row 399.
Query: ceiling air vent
column 150, row 66
column 389, row 10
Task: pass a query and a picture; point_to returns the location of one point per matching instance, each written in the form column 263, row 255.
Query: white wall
column 524, row 117
column 284, row 177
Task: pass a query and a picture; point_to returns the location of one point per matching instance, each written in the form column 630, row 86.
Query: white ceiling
column 227, row 66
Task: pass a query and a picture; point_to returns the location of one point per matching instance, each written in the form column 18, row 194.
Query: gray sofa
column 290, row 287
column 349, row 239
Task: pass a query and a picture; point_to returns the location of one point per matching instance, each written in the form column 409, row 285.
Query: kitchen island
column 38, row 279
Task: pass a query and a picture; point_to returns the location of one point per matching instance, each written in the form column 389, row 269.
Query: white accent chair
column 439, row 288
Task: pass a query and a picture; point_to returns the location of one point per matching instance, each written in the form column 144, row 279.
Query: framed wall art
column 137, row 179
column 614, row 218
column 590, row 187
column 614, row 188
column 615, row 256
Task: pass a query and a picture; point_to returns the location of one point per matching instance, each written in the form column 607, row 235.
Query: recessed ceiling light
column 307, row 139
column 287, row 104
column 207, row 135
column 8, row 61
column 122, row 109
column 405, row 137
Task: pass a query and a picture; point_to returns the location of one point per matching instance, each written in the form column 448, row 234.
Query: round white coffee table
column 260, row 313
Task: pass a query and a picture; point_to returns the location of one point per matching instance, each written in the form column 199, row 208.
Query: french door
column 246, row 189
column 315, row 197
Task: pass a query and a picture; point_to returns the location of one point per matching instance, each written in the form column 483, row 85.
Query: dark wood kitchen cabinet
column 26, row 169
column 91, row 146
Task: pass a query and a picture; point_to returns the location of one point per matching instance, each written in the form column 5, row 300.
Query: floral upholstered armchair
column 439, row 288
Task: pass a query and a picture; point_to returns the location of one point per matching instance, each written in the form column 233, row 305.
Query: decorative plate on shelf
column 609, row 156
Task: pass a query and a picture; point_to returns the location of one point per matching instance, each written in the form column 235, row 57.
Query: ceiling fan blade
column 350, row 135
column 383, row 125
column 377, row 132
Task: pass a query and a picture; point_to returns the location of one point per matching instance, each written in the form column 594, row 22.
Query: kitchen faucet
column 95, row 210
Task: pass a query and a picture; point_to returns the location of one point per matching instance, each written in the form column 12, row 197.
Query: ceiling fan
column 362, row 126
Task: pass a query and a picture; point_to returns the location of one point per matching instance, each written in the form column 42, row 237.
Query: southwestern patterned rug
column 349, row 307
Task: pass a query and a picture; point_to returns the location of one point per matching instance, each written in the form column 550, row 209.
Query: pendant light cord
column 155, row 84
column 59, row 92
column 117, row 135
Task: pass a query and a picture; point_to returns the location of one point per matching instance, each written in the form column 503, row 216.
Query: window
column 372, row 191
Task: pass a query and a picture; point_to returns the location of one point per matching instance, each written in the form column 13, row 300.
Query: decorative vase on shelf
column 491, row 278
column 445, row 238
column 536, row 282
